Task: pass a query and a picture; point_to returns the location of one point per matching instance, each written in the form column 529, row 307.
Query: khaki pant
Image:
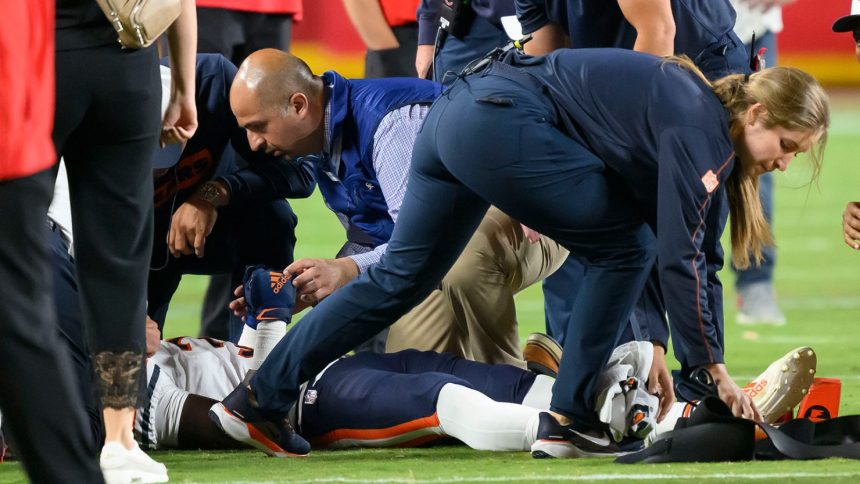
column 473, row 314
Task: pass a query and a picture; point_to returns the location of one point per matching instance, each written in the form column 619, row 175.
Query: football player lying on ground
column 405, row 398
column 370, row 400
column 412, row 398
column 359, row 401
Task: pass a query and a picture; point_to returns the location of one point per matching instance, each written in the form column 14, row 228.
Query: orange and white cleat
column 783, row 384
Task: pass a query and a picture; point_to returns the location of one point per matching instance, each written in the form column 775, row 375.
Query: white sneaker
column 784, row 384
column 757, row 305
column 126, row 466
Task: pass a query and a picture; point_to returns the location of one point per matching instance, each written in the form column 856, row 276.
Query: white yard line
column 585, row 477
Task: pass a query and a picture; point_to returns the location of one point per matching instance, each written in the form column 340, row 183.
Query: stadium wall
column 326, row 39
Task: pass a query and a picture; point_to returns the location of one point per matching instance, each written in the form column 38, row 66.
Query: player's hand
column 238, row 305
column 423, row 60
column 533, row 236
column 180, row 120
column 851, row 225
column 153, row 336
column 317, row 278
column 730, row 393
column 660, row 382
column 190, row 225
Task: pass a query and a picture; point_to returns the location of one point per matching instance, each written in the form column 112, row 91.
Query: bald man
column 361, row 132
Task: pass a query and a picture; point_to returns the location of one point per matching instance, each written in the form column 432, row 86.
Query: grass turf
column 816, row 277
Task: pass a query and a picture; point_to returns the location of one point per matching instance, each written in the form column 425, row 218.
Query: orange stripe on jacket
column 693, row 265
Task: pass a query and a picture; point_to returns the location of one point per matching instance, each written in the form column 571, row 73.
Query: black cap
column 849, row 23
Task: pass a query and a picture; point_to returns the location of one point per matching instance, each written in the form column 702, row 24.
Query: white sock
column 678, row 410
column 269, row 333
column 483, row 423
column 248, row 338
column 539, row 395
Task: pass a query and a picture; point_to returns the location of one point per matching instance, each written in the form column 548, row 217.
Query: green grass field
column 817, row 278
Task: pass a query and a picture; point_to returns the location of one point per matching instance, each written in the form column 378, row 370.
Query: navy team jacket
column 219, row 149
column 663, row 131
column 357, row 107
column 699, row 24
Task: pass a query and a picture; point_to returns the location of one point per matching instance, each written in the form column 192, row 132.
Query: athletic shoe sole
column 246, row 433
column 121, row 476
column 542, row 354
column 562, row 449
column 783, row 384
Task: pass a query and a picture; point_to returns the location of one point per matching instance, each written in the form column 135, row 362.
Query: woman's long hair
column 792, row 99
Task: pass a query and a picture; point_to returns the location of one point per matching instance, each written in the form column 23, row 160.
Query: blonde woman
column 621, row 157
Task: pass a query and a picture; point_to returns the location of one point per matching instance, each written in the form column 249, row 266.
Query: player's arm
column 197, row 430
column 654, row 24
column 369, row 21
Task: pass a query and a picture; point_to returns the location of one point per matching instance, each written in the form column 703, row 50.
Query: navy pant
column 370, row 391
column 764, row 271
column 245, row 234
column 727, row 56
column 489, row 140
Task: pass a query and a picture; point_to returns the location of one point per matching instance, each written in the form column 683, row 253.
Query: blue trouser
column 373, row 391
column 725, row 57
column 764, row 271
column 245, row 234
column 489, row 140
column 455, row 54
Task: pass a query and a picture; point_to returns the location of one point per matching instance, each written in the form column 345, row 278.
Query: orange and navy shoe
column 783, row 384
column 238, row 416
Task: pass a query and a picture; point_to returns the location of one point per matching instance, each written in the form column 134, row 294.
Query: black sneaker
column 238, row 416
column 556, row 440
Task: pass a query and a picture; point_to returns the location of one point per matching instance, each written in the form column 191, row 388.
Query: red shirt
column 262, row 6
column 400, row 12
column 27, row 94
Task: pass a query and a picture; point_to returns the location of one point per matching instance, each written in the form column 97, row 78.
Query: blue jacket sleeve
column 428, row 21
column 532, row 14
column 690, row 170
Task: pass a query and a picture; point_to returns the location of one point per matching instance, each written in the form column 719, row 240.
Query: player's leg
column 360, row 402
column 497, row 263
column 503, row 383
